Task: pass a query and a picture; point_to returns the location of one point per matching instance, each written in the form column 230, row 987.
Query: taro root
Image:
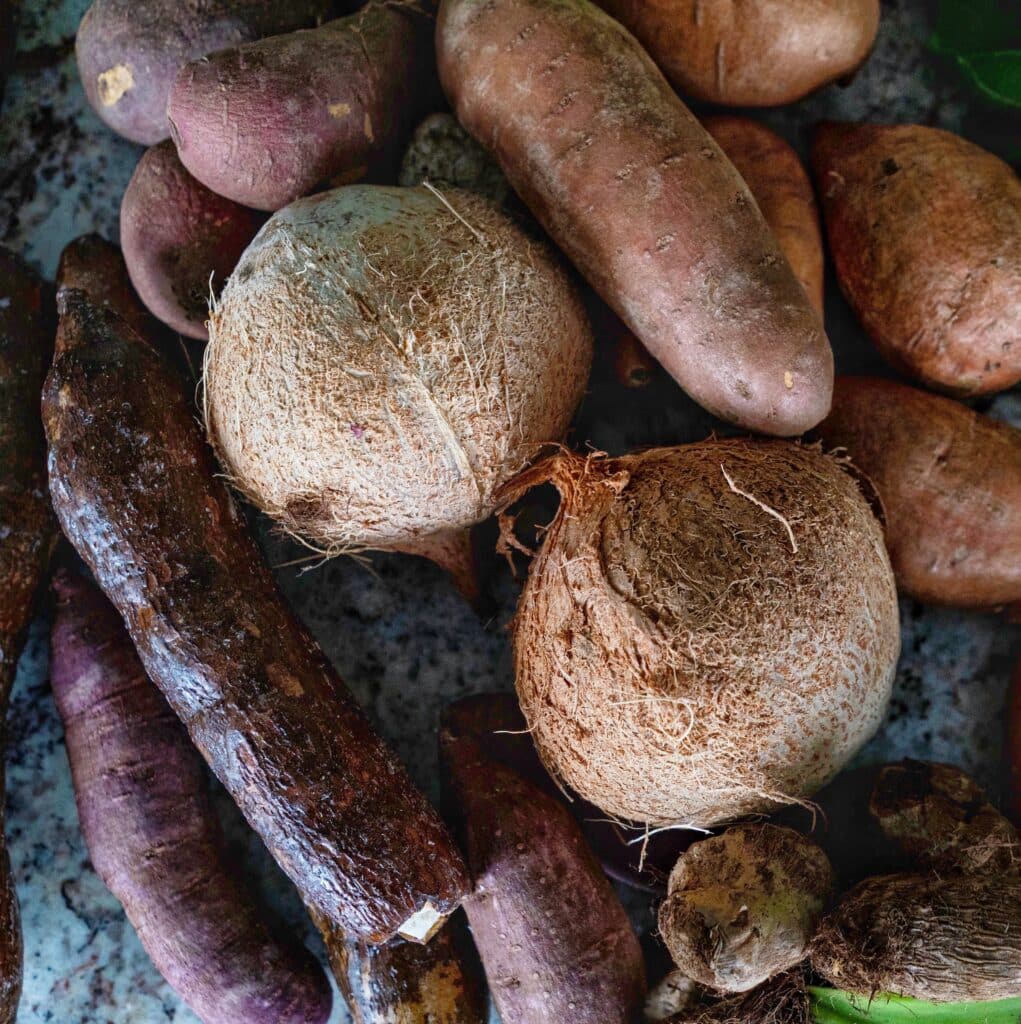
column 742, row 907
column 939, row 818
column 383, row 359
column 783, row 1000
column 942, row 939
column 708, row 631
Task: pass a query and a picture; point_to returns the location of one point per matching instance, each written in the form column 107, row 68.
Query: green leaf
column 996, row 74
column 831, row 1006
column 974, row 26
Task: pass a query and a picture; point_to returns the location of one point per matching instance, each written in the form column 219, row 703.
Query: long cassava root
column 136, row 492
column 152, row 835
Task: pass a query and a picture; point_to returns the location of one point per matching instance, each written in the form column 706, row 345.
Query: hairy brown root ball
column 742, row 907
column 383, row 359
column 708, row 631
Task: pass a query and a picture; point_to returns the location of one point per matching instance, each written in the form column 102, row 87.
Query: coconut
column 709, row 631
column 383, row 359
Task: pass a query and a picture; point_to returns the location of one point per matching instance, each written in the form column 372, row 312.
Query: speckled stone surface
column 399, row 634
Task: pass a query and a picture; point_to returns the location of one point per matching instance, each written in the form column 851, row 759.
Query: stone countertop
column 400, row 636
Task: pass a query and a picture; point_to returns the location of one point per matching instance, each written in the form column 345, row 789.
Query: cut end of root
column 422, row 925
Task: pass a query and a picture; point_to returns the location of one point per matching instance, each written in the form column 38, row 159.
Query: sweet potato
column 151, row 833
column 783, row 191
column 27, row 534
column 555, row 942
column 950, row 483
column 138, row 495
column 760, row 53
column 180, row 240
column 925, row 231
column 642, row 200
column 266, row 122
column 128, row 53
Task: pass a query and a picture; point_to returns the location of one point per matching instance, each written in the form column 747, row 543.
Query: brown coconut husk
column 708, row 631
column 383, row 359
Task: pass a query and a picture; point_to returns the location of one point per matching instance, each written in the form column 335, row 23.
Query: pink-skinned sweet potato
column 636, row 193
column 180, row 240
column 128, row 52
column 555, row 942
column 267, row 122
column 151, row 833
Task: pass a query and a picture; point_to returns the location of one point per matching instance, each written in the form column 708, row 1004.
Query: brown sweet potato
column 925, row 231
column 642, row 200
column 266, row 122
column 783, row 190
column 555, row 942
column 759, row 53
column 151, row 833
column 950, row 483
column 129, row 52
column 137, row 493
column 27, row 534
column 180, row 240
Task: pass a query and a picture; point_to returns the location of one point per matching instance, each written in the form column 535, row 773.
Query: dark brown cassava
column 707, row 632
column 267, row 122
column 137, row 493
column 27, row 534
column 950, row 483
column 152, row 835
column 944, row 939
column 640, row 198
column 925, row 232
column 555, row 942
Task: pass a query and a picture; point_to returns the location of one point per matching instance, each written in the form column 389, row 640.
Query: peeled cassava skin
column 383, row 359
column 942, row 939
column 925, row 231
column 759, row 53
column 950, row 483
column 678, row 661
column 640, row 198
column 265, row 123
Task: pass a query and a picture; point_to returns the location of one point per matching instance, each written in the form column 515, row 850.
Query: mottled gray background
column 399, row 635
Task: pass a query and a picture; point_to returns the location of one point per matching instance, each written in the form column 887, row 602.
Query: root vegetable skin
column 759, row 54
column 742, row 906
column 129, row 54
column 925, row 232
column 783, row 191
column 265, row 123
column 137, row 493
column 180, row 240
column 683, row 572
column 641, row 199
column 151, row 833
column 1013, row 748
column 941, row 939
column 555, row 942
column 950, row 483
column 27, row 534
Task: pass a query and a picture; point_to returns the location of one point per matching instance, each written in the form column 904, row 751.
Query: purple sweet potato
column 555, row 942
column 144, row 809
column 266, row 122
column 181, row 241
column 129, row 52
column 27, row 533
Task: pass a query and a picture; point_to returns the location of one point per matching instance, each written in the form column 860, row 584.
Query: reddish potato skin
column 128, row 52
column 27, row 534
column 1012, row 749
column 138, row 495
column 925, row 232
column 151, row 833
column 555, row 942
column 265, row 123
column 180, row 240
column 949, row 481
column 760, row 53
column 783, row 190
column 641, row 199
